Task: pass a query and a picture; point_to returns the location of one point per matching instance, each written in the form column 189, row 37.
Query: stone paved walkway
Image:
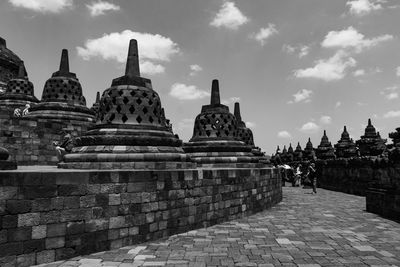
column 327, row 229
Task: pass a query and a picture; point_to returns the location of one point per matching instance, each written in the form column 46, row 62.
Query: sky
column 296, row 67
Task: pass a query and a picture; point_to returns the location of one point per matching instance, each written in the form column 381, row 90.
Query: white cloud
column 364, row 7
column 351, row 38
column 43, row 6
column 398, row 71
column 325, row 120
column 101, row 7
column 300, row 50
column 195, row 69
column 330, row 69
column 187, row 92
column 358, row 73
column 284, row 134
column 303, row 95
column 338, row 104
column 390, row 93
column 229, row 16
column 392, row 114
column 153, row 49
column 230, row 100
column 250, row 124
column 264, row 33
column 309, row 127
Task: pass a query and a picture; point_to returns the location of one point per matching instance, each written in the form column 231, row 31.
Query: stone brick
column 58, row 229
column 33, row 246
column 87, row 201
column 50, row 217
column 71, row 202
column 75, row 227
column 133, row 230
column 114, row 199
column 3, row 236
column 41, row 204
column 117, row 222
column 75, row 215
column 26, row 260
column 150, row 217
column 19, row 234
column 28, row 219
column 39, row 232
column 55, row 242
column 65, row 253
column 42, row 191
column 10, row 248
column 96, row 225
column 8, row 192
column 153, row 227
column 19, row 206
column 57, row 203
column 45, row 256
column 10, row 221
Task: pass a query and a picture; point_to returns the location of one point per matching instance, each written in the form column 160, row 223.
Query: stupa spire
column 132, row 63
column 236, row 112
column 215, row 99
column 98, row 97
column 64, row 62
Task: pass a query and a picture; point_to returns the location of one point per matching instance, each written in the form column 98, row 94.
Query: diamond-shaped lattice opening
column 56, row 96
column 124, row 118
column 114, row 100
column 208, row 133
column 108, row 108
column 139, row 101
column 132, row 109
column 151, row 119
column 119, row 109
column 132, row 93
column 139, row 119
column 150, row 102
column 120, row 92
column 227, row 132
column 145, row 110
column 144, row 94
column 225, row 120
column 112, row 117
column 213, row 116
column 208, row 121
column 125, row 100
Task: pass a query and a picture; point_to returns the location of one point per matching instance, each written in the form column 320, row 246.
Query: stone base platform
column 8, row 165
column 49, row 214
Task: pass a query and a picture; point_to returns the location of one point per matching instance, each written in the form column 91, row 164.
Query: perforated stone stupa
column 325, row 149
column 215, row 135
column 131, row 130
column 345, row 147
column 9, row 65
column 19, row 91
column 62, row 96
column 309, row 152
column 371, row 143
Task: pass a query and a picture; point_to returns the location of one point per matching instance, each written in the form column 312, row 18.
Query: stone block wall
column 351, row 176
column 30, row 141
column 49, row 216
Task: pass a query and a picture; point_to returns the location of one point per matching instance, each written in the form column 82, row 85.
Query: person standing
column 313, row 177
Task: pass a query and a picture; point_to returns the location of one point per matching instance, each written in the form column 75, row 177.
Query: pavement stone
column 304, row 230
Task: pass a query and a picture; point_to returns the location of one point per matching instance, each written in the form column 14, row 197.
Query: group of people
column 300, row 175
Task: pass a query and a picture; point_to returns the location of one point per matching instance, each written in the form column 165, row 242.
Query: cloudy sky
column 296, row 67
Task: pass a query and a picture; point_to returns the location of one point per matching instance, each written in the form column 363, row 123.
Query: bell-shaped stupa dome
column 62, row 96
column 131, row 130
column 19, row 91
column 215, row 135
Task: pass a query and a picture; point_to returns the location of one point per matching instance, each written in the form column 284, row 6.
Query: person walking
column 312, row 175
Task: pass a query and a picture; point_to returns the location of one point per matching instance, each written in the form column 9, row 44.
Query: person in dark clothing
column 312, row 176
column 65, row 147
